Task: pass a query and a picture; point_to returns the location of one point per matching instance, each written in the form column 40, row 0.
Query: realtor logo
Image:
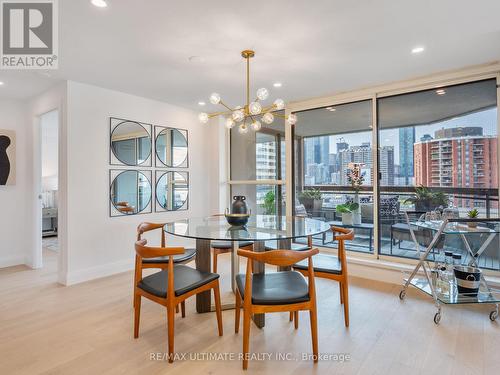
column 29, row 34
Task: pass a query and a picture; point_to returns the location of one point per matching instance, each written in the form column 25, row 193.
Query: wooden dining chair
column 331, row 267
column 275, row 292
column 222, row 247
column 161, row 262
column 171, row 286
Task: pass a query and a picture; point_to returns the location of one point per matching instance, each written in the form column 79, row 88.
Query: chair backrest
column 146, row 227
column 346, row 234
column 144, row 251
column 282, row 258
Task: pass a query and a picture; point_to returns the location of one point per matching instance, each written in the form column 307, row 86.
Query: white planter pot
column 347, row 218
column 356, row 218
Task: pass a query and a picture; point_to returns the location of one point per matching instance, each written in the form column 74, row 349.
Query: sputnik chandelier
column 251, row 111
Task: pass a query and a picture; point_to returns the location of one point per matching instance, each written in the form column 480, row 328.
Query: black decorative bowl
column 237, row 220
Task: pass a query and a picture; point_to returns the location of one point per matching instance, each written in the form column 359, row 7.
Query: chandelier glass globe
column 262, row 93
column 229, row 123
column 243, row 129
column 292, row 119
column 203, row 117
column 238, row 115
column 255, row 108
column 214, row 98
column 256, row 125
column 268, row 118
column 279, row 104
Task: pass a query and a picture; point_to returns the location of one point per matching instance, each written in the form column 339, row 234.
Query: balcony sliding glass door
column 444, row 143
column 330, row 144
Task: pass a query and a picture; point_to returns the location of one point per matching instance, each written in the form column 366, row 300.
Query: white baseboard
column 10, row 261
column 87, row 274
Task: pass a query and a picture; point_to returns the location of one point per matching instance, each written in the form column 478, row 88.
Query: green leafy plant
column 347, row 208
column 269, row 204
column 310, row 194
column 473, row 214
column 423, row 195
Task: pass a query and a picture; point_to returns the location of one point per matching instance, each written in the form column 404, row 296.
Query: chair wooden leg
column 137, row 314
column 177, row 309
column 246, row 336
column 183, row 309
column 341, row 292
column 237, row 312
column 346, row 303
column 218, row 309
column 291, row 316
column 170, row 323
column 214, row 265
column 296, row 319
column 314, row 331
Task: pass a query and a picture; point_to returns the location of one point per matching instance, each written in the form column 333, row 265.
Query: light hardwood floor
column 46, row 328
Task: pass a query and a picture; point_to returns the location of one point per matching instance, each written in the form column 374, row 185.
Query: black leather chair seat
column 229, row 244
column 279, row 288
column 179, row 258
column 295, row 247
column 322, row 263
column 185, row 280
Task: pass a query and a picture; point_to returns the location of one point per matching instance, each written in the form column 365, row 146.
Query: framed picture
column 7, row 157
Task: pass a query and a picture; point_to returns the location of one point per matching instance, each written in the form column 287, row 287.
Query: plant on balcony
column 347, row 210
column 472, row 214
column 269, row 204
column 311, row 199
column 425, row 199
column 356, row 178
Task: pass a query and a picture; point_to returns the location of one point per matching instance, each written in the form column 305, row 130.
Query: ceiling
column 423, row 107
column 313, row 48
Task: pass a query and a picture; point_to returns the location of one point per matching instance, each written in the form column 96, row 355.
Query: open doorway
column 49, row 150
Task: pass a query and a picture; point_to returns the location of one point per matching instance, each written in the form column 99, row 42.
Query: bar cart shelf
column 485, row 232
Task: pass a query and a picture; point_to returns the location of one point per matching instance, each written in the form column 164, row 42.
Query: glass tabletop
column 459, row 227
column 258, row 228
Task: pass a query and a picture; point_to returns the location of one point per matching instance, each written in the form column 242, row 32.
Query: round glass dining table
column 259, row 229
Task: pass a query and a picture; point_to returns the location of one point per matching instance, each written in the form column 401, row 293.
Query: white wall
column 14, row 199
column 50, row 143
column 99, row 245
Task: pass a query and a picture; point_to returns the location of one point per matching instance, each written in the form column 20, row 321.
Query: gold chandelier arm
column 280, row 115
column 225, row 105
column 215, row 114
column 272, row 107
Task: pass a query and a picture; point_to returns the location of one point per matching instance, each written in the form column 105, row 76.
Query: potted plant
column 269, row 204
column 426, row 200
column 356, row 178
column 472, row 214
column 311, row 199
column 347, row 210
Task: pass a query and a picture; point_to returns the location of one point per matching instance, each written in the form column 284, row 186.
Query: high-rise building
column 406, row 141
column 317, row 159
column 453, row 159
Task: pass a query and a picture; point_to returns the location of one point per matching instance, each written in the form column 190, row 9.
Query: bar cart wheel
column 402, row 294
column 493, row 315
column 437, row 317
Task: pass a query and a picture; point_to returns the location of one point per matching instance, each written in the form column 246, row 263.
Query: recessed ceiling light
column 201, row 103
column 99, row 3
column 277, row 84
column 1, row 83
column 332, row 109
column 328, row 108
column 440, row 92
column 418, row 49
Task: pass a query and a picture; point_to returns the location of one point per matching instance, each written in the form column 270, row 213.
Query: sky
column 390, row 137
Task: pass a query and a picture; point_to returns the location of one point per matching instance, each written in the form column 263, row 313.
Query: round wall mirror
column 172, row 191
column 130, row 192
column 172, row 147
column 131, row 143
